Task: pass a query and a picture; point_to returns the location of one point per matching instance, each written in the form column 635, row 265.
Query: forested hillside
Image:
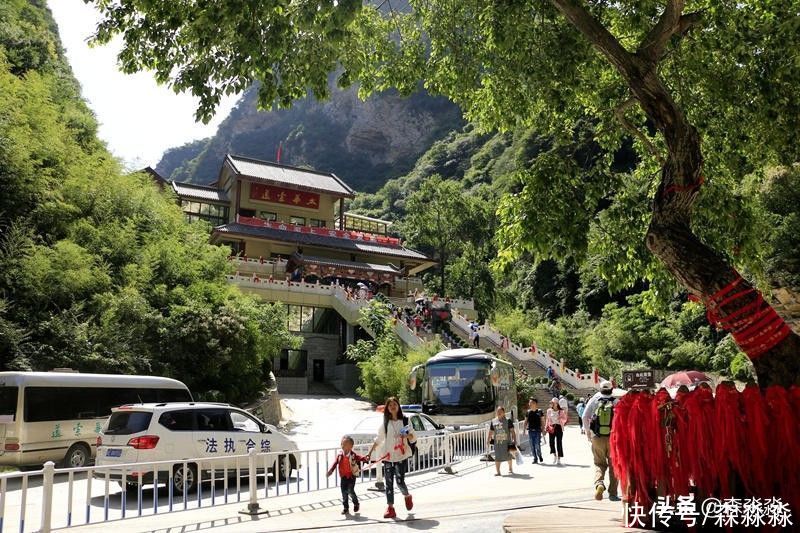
column 365, row 142
column 99, row 270
column 571, row 310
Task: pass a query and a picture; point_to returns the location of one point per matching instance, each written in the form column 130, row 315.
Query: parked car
column 143, row 433
column 365, row 431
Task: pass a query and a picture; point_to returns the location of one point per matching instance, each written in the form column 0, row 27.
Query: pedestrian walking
column 556, row 420
column 476, row 341
column 550, row 373
column 598, row 418
column 394, row 443
column 580, row 408
column 534, row 425
column 349, row 465
column 503, row 437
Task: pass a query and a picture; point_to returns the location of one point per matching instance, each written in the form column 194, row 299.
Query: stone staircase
column 532, row 368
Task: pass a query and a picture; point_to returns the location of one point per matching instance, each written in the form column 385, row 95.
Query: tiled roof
column 325, row 241
column 286, row 175
column 199, row 192
column 327, row 261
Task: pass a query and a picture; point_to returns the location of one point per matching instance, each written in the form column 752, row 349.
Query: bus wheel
column 77, row 456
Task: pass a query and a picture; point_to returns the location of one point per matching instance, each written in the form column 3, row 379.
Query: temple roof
column 326, row 241
column 199, row 192
column 277, row 174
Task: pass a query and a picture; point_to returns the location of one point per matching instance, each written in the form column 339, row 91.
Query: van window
column 177, row 420
column 128, row 422
column 46, row 404
column 8, row 404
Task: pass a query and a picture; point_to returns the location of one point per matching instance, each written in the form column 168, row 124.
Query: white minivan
column 56, row 416
column 144, row 433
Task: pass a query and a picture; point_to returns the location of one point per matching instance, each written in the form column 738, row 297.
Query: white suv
column 143, row 433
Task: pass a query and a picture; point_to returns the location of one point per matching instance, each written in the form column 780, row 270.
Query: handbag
column 550, row 429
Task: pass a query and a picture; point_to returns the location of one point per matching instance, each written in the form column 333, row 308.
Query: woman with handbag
column 556, row 420
column 394, row 442
column 502, row 435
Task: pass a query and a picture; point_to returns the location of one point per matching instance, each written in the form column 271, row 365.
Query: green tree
column 440, row 216
column 628, row 68
column 99, row 270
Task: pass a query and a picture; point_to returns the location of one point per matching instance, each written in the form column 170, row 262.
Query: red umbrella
column 687, row 377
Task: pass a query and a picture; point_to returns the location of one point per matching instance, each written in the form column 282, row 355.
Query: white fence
column 575, row 379
column 58, row 498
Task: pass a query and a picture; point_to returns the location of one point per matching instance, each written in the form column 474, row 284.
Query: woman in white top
column 394, row 446
column 556, row 420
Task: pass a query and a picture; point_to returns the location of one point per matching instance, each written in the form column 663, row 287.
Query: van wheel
column 77, row 456
column 178, row 475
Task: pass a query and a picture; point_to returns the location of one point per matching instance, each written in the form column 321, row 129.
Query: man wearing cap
column 597, row 422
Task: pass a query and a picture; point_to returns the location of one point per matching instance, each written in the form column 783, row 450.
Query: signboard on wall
column 279, row 195
column 638, row 379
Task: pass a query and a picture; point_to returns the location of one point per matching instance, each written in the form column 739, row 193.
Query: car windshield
column 459, row 383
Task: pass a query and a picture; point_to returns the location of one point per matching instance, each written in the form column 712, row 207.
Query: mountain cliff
column 364, row 142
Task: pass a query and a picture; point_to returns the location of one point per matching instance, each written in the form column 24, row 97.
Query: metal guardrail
column 80, row 496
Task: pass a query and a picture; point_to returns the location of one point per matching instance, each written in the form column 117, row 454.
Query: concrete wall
column 324, row 347
column 346, row 378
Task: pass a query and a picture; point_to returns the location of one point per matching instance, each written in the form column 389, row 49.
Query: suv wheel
column 77, row 456
column 284, row 468
column 179, row 473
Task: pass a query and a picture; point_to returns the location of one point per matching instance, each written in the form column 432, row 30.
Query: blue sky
column 138, row 118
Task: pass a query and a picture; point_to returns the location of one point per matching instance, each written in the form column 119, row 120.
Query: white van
column 57, row 416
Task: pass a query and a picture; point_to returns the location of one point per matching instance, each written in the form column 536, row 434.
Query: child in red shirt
column 349, row 468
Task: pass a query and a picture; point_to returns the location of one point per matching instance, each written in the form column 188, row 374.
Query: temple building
column 292, row 242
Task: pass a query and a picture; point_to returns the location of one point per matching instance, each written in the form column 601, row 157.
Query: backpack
column 603, row 418
column 412, row 445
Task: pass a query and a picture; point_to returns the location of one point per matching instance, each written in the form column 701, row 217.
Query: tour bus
column 56, row 416
column 464, row 387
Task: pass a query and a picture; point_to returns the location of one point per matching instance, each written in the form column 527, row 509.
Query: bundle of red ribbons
column 720, row 444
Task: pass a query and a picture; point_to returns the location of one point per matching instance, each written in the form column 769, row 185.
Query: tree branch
column 619, row 112
column 671, row 23
column 652, row 46
column 602, row 39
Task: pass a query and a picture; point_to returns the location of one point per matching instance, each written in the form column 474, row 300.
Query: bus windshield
column 459, row 384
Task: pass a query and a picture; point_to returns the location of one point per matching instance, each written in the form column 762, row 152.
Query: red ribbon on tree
column 756, row 326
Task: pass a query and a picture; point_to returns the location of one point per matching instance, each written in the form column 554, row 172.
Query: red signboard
column 279, row 195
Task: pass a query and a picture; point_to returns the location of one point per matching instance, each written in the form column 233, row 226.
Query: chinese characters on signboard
column 279, row 195
column 638, row 379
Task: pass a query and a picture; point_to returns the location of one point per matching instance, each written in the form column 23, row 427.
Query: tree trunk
column 700, row 269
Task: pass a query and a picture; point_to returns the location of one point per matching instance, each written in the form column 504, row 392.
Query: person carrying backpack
column 598, row 421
